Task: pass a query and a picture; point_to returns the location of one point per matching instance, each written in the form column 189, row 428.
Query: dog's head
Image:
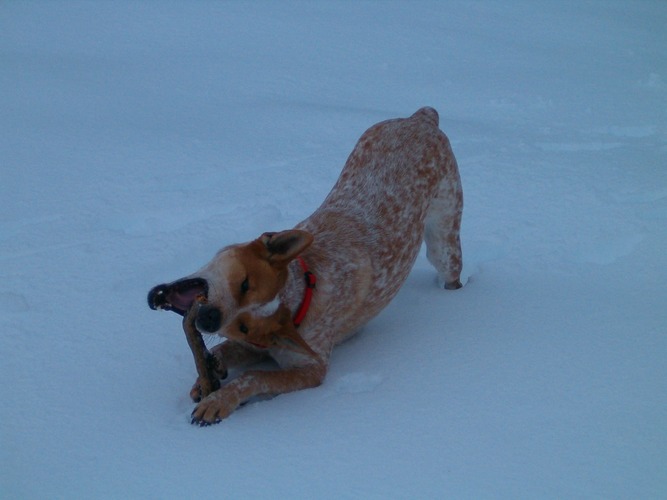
column 239, row 278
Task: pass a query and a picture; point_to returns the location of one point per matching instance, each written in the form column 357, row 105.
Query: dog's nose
column 208, row 319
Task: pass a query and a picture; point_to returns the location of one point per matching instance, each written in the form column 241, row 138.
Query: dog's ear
column 286, row 245
column 288, row 338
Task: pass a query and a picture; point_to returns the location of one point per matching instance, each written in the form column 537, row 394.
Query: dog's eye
column 243, row 329
column 245, row 285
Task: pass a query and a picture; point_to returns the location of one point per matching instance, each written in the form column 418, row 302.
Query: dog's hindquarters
column 443, row 225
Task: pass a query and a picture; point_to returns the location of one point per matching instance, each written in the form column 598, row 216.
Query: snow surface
column 137, row 138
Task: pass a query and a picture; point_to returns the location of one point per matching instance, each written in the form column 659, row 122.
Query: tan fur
column 276, row 331
column 399, row 187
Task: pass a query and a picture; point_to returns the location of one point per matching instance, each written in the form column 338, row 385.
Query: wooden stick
column 207, row 365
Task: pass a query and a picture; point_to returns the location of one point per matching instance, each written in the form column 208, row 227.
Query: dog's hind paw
column 454, row 285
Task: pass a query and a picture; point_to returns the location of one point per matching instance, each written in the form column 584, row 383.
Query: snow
column 137, row 138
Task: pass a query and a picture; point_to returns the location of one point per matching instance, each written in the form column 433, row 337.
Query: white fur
column 268, row 309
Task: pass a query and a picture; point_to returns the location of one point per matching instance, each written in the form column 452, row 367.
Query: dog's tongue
column 181, row 300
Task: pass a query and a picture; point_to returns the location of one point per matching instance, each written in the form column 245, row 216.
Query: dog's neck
column 295, row 290
column 310, row 281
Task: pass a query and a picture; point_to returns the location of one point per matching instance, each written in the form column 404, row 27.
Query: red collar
column 308, row 294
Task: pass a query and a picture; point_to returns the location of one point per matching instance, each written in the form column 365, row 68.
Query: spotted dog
column 295, row 294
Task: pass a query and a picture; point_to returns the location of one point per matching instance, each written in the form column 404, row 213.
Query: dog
column 295, row 294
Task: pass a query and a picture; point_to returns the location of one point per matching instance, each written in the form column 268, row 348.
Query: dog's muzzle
column 177, row 296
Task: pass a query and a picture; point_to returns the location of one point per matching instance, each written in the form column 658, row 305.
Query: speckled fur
column 400, row 186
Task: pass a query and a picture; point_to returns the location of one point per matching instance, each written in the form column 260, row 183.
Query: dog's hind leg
column 442, row 230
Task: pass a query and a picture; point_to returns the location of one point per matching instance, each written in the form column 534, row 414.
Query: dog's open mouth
column 177, row 296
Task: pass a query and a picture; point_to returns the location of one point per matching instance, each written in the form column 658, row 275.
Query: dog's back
column 369, row 229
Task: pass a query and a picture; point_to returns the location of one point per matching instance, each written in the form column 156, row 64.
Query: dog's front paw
column 215, row 407
column 197, row 393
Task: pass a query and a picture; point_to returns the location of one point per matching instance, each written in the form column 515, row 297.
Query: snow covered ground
column 137, row 138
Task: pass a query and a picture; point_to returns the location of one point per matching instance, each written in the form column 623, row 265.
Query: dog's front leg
column 228, row 355
column 221, row 403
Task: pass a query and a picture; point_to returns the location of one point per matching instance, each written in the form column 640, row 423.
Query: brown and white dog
column 400, row 185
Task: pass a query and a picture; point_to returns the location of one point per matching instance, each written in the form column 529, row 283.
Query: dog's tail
column 427, row 113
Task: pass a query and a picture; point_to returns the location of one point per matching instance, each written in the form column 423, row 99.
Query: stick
column 205, row 362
